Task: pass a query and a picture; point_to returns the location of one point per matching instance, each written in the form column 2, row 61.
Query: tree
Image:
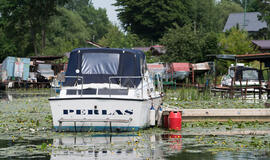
column 13, row 30
column 7, row 47
column 250, row 5
column 117, row 39
column 209, row 45
column 150, row 18
column 67, row 31
column 224, row 8
column 28, row 15
column 235, row 42
column 96, row 19
column 182, row 45
column 264, row 7
column 204, row 15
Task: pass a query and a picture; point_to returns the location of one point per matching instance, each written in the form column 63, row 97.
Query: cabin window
column 232, row 73
column 250, row 75
column 78, row 111
column 100, row 63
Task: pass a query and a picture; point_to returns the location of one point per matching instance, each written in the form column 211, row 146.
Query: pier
column 221, row 115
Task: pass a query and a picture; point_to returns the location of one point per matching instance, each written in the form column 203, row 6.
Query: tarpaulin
column 97, row 65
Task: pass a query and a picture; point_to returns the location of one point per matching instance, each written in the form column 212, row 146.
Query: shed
column 263, row 45
column 15, row 67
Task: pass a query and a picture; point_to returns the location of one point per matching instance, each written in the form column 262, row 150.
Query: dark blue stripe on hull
column 96, row 128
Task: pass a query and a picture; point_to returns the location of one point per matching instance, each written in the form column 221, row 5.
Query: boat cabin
column 105, row 65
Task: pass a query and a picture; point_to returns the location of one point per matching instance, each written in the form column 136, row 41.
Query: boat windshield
column 245, row 73
column 100, row 63
column 250, row 75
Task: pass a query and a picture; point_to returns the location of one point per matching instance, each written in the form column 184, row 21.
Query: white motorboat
column 105, row 90
column 245, row 76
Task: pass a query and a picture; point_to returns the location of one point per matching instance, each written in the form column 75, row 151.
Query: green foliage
column 66, row 32
column 185, row 45
column 150, row 58
column 235, row 42
column 46, row 28
column 25, row 23
column 182, row 45
column 204, row 16
column 223, row 9
column 96, row 20
column 117, row 39
column 250, row 5
column 7, row 47
column 150, row 18
column 14, row 38
column 264, row 8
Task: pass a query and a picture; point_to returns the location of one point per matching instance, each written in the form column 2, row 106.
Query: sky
column 112, row 14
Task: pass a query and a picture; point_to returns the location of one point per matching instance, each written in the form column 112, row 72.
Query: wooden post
column 215, row 74
column 241, row 87
column 260, row 82
column 268, row 85
column 246, row 89
column 254, row 92
column 233, row 81
column 193, row 76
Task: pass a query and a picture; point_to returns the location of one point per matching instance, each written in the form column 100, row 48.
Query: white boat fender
column 159, row 116
column 158, row 113
column 152, row 116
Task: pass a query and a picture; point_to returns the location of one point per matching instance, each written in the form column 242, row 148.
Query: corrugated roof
column 251, row 57
column 262, row 44
column 252, row 22
column 155, row 66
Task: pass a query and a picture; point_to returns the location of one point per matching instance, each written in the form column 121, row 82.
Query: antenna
column 244, row 24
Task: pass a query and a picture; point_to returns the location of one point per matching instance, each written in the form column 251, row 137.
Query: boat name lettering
column 97, row 112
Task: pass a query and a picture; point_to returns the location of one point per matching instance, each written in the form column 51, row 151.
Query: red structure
column 180, row 67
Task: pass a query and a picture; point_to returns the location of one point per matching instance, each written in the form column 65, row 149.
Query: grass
column 191, row 98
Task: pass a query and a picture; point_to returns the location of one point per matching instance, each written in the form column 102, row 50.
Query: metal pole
column 245, row 10
column 260, row 81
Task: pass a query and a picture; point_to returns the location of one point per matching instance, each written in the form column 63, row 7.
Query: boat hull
column 100, row 114
column 180, row 74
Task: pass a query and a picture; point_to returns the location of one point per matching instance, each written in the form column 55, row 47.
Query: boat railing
column 75, row 84
column 129, row 78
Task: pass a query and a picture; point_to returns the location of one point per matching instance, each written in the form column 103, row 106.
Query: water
column 25, row 133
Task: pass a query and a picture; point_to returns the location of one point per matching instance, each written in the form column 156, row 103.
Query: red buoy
column 175, row 121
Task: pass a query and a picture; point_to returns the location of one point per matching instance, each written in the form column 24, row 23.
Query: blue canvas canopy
column 96, row 65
